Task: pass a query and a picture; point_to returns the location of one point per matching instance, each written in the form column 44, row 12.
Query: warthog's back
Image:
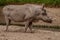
column 18, row 12
column 21, row 12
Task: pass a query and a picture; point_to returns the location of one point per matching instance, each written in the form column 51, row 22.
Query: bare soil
column 17, row 33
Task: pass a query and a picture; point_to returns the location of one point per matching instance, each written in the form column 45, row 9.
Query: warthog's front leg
column 28, row 25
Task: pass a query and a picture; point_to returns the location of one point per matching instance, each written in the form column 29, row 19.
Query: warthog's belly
column 17, row 16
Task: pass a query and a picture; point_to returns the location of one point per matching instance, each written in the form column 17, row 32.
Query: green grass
column 46, row 26
column 55, row 27
column 46, row 2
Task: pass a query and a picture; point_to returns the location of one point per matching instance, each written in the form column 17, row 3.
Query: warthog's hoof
column 6, row 30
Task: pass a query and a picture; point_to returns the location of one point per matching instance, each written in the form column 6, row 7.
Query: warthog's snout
column 47, row 19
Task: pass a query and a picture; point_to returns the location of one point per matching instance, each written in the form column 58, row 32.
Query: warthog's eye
column 44, row 14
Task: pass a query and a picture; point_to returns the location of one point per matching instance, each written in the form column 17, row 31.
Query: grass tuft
column 49, row 3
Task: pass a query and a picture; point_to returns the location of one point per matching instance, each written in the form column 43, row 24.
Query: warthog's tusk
column 53, row 18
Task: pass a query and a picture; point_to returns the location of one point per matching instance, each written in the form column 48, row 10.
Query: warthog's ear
column 43, row 5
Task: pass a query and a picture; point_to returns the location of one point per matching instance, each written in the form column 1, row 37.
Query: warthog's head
column 43, row 15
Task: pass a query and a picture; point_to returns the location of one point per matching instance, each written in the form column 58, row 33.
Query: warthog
column 25, row 13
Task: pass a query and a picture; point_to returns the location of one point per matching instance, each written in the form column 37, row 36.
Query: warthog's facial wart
column 47, row 19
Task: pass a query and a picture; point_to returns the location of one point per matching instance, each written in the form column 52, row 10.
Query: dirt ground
column 17, row 33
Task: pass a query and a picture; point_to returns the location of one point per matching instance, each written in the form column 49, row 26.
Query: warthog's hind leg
column 7, row 23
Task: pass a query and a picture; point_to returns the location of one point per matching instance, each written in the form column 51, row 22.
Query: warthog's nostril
column 48, row 21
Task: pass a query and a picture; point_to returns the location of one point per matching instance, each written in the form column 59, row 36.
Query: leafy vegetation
column 46, row 2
